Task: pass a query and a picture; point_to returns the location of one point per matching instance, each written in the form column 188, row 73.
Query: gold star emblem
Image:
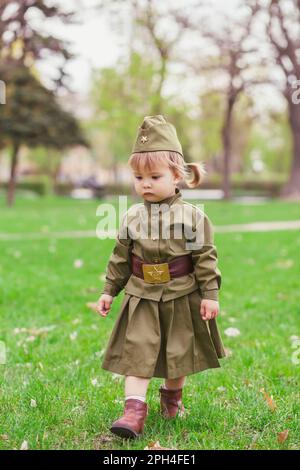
column 144, row 139
column 156, row 274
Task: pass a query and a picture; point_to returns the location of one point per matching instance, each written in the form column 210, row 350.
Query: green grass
column 44, row 215
column 39, row 287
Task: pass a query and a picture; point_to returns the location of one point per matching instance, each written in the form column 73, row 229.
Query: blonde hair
column 192, row 173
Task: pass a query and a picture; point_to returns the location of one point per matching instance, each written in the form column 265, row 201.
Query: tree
column 32, row 117
column 121, row 96
column 233, row 66
column 21, row 40
column 149, row 18
column 151, row 37
column 283, row 29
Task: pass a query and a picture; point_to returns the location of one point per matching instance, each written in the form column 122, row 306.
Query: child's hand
column 104, row 304
column 209, row 309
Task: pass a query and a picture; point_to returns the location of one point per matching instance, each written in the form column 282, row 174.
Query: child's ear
column 177, row 178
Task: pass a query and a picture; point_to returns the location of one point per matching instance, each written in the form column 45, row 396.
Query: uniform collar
column 168, row 200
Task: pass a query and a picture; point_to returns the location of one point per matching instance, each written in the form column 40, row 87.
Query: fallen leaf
column 282, row 436
column 285, row 263
column 4, row 437
column 269, row 400
column 92, row 290
column 156, row 446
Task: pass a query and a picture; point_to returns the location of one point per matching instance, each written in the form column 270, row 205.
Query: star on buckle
column 144, row 139
column 156, row 273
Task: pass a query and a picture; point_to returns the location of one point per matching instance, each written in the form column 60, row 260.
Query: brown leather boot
column 131, row 424
column 171, row 402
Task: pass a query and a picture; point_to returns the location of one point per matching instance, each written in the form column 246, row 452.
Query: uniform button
column 155, row 260
column 154, row 238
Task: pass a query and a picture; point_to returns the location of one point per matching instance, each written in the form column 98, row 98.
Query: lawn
column 54, row 394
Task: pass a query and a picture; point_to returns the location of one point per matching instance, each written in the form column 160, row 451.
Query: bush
column 39, row 186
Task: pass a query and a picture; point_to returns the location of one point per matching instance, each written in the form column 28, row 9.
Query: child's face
column 157, row 184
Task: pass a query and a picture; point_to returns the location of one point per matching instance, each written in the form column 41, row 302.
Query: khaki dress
column 159, row 331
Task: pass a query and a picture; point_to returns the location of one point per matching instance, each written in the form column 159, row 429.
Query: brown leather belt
column 161, row 272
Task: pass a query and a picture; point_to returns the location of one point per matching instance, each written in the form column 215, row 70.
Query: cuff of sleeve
column 111, row 289
column 210, row 294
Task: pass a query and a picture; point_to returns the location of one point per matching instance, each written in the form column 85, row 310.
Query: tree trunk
column 157, row 105
column 292, row 187
column 12, row 181
column 56, row 174
column 226, row 140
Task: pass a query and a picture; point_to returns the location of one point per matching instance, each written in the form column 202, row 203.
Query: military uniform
column 159, row 331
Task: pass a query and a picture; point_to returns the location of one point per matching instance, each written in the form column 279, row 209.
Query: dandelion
column 232, row 332
column 78, row 263
column 73, row 336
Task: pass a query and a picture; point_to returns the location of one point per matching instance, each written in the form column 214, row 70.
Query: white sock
column 136, row 397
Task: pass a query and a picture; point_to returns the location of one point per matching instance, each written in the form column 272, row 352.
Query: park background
column 76, row 80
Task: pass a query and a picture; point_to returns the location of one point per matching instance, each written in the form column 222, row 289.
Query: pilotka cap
column 156, row 134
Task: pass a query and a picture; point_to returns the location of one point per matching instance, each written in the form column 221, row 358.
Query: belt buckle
column 156, row 273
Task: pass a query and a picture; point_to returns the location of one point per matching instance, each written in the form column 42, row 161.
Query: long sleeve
column 205, row 262
column 118, row 269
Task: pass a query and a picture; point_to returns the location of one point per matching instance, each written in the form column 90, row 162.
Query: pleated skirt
column 167, row 339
